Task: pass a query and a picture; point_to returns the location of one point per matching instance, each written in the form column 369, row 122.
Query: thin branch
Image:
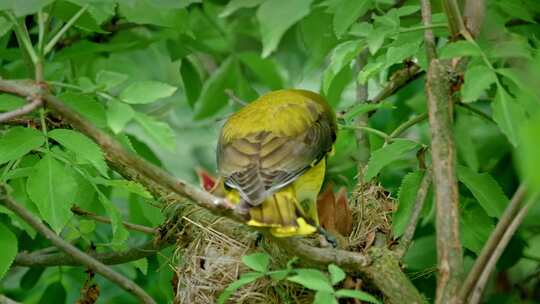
column 397, row 80
column 64, row 29
column 421, row 196
column 494, row 239
column 443, row 155
column 41, row 258
column 379, row 133
column 22, row 37
column 235, row 98
column 27, row 108
column 409, row 123
column 476, row 111
column 361, row 121
column 103, row 219
column 455, row 21
column 75, row 253
column 498, row 251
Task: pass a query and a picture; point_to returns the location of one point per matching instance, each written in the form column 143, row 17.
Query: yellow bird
column 271, row 156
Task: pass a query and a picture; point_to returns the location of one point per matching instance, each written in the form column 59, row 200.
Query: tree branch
column 455, row 21
column 136, row 227
column 475, row 11
column 480, row 264
column 6, row 300
column 398, row 80
column 37, row 259
column 498, row 251
column 27, row 108
column 408, row 235
column 362, row 120
column 439, row 99
column 74, row 252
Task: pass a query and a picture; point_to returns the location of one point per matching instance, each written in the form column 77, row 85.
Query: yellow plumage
column 272, row 156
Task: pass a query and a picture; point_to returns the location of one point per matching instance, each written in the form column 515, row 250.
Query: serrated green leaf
column 120, row 234
column 82, row 146
column 142, row 265
column 508, row 114
column 312, row 279
column 245, row 279
column 276, row 17
column 109, row 79
column 324, row 297
column 9, row 245
column 119, row 115
column 143, row 92
column 342, row 55
column 477, row 80
column 18, row 141
column 357, row 294
column 336, row 274
column 257, row 261
column 406, row 200
column 376, row 37
column 485, row 189
column 52, row 188
column 129, row 186
column 347, row 12
column 459, row 49
column 265, row 69
column 192, row 81
column 386, row 155
column 422, row 253
column 87, row 106
column 10, row 102
column 213, row 96
column 160, row 131
column 235, row 5
column 476, row 226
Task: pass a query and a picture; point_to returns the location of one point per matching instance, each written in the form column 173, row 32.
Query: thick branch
column 494, row 240
column 136, row 227
column 75, row 253
column 475, row 11
column 37, row 259
column 362, row 140
column 453, row 13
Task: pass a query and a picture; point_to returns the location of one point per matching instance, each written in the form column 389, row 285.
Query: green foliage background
column 159, row 75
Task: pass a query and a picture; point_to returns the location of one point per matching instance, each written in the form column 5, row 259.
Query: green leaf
column 52, row 188
column 477, row 80
column 87, row 226
column 54, row 291
column 119, row 115
column 245, row 279
column 18, row 141
column 422, row 253
column 508, row 114
column 465, row 145
column 109, row 80
column 145, row 12
column 406, row 200
column 476, row 226
column 192, row 81
column 376, row 37
column 213, row 96
column 82, row 146
column 398, row 54
column 336, row 274
column 235, row 5
column 31, row 277
column 120, row 234
column 27, row 7
column 143, row 92
column 130, row 186
column 312, row 279
column 9, row 244
column 459, row 49
column 369, row 70
column 276, row 17
column 161, row 132
column 257, row 261
column 265, row 69
column 357, row 294
column 324, row 297
column 10, row 102
column 87, row 106
column 485, row 189
column 142, row 265
column 341, row 56
column 386, row 155
column 529, row 162
column 347, row 12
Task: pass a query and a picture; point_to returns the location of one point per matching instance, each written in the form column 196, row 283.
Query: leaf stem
column 50, row 45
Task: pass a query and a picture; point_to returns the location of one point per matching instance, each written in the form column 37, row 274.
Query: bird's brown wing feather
column 262, row 163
